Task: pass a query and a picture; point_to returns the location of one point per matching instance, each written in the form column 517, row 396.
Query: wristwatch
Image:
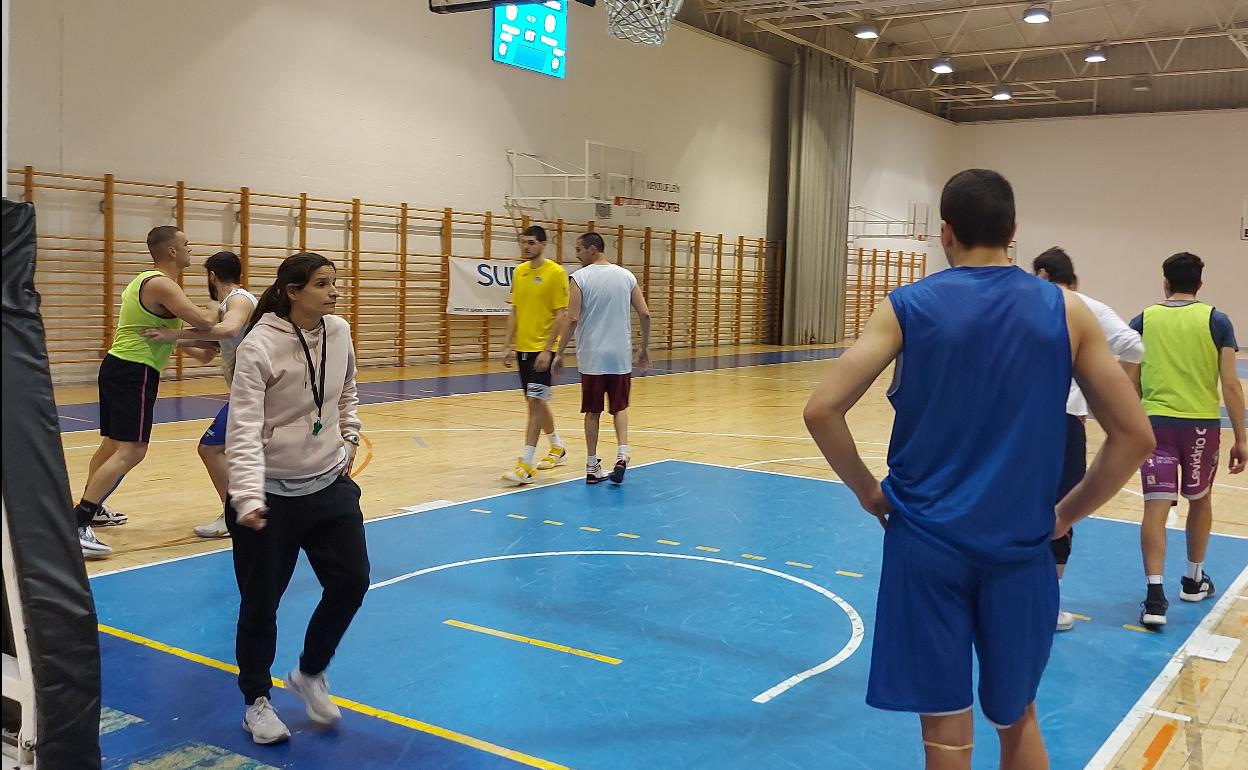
column 352, row 439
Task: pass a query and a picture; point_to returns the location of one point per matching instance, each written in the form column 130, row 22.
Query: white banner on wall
column 479, row 286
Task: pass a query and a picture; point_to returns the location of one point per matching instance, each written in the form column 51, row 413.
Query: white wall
column 1121, row 194
column 384, row 100
column 903, row 156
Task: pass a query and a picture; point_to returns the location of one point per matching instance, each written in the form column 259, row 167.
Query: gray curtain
column 821, row 124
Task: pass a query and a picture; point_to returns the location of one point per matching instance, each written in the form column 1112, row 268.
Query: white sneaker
column 92, row 548
column 214, row 529
column 107, row 517
column 1065, row 621
column 313, row 690
column 262, row 722
column 522, row 474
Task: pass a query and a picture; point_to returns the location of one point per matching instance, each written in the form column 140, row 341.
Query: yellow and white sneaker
column 521, row 474
column 555, row 456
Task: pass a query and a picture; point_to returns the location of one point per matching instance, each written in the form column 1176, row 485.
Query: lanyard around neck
column 318, row 394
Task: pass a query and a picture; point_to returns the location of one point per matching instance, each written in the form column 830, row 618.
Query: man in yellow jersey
column 130, row 375
column 1188, row 347
column 539, row 301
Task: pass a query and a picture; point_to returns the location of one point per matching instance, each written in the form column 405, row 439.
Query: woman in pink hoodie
column 292, row 437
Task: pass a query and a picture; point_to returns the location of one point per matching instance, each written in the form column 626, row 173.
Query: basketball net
column 641, row 21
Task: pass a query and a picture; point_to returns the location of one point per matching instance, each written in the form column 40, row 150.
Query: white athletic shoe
column 216, row 528
column 1065, row 621
column 313, row 690
column 107, row 517
column 92, row 548
column 521, row 474
column 262, row 722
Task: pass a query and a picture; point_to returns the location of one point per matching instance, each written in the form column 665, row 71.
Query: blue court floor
column 697, row 616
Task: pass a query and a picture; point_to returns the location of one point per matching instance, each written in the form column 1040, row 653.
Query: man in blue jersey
column 985, row 353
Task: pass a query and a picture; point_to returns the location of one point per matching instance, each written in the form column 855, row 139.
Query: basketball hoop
column 641, row 21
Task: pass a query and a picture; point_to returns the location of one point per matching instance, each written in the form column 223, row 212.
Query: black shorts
column 127, row 399
column 1074, row 467
column 535, row 384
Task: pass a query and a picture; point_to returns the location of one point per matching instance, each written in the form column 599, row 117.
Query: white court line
column 386, row 517
column 1170, row 715
column 755, row 470
column 747, row 466
column 1145, row 705
column 855, row 638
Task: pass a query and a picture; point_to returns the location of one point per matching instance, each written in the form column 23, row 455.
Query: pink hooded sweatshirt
column 272, row 410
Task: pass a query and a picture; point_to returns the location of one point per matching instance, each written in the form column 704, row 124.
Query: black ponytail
column 295, row 271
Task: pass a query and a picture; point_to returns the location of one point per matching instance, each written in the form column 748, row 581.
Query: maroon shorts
column 1184, row 462
column 614, row 386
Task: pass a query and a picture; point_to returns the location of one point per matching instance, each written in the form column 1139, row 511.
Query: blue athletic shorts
column 215, row 435
column 934, row 606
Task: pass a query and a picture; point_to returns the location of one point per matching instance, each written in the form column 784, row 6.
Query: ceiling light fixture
column 942, row 66
column 1037, row 14
column 1095, row 55
column 1002, row 94
column 867, row 30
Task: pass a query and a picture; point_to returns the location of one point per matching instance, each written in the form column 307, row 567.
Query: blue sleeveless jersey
column 980, row 394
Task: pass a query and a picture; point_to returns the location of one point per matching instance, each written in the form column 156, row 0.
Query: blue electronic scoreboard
column 532, row 37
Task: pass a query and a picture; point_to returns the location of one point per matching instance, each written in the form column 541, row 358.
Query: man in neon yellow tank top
column 130, row 376
column 1188, row 347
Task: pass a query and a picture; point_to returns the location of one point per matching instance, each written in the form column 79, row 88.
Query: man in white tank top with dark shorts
column 225, row 272
column 601, row 299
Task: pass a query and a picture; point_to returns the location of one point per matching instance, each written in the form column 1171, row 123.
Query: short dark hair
column 159, row 237
column 536, row 231
column 226, row 266
column 1183, row 271
column 978, row 204
column 593, row 241
column 1056, row 262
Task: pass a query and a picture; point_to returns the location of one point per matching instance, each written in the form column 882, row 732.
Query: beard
column 212, row 292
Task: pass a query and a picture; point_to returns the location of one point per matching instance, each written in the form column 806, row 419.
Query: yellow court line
column 752, row 556
column 1130, row 627
column 707, row 548
column 350, row 705
column 849, row 574
column 552, row 523
column 535, row 642
column 627, row 534
column 481, row 510
column 667, row 542
column 1079, row 617
column 799, row 564
column 591, row 529
column 517, row 516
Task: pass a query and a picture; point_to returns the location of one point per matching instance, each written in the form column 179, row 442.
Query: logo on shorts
column 1198, row 454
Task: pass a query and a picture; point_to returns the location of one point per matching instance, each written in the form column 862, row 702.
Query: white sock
column 1154, row 580
column 529, row 452
column 623, row 452
column 1195, row 570
column 591, row 461
column 555, row 440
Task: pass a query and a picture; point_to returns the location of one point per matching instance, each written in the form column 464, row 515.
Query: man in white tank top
column 225, row 272
column 601, row 299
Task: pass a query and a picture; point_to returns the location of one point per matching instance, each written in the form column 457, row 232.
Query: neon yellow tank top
column 1179, row 373
column 129, row 344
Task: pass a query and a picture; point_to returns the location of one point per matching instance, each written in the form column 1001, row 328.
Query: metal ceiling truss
column 898, row 69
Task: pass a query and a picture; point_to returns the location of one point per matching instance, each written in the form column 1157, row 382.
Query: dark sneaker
column 617, row 473
column 1153, row 613
column 1196, row 590
column 107, row 517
